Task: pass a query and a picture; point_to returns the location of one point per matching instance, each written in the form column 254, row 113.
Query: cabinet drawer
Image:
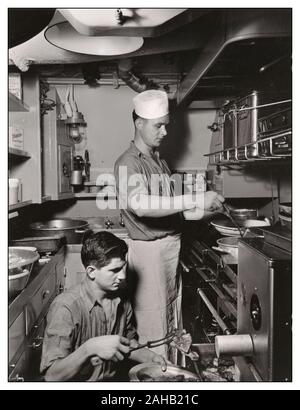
column 17, row 370
column 35, row 345
column 40, row 300
column 17, row 333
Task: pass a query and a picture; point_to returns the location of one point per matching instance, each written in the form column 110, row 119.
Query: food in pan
column 167, row 378
column 13, row 259
column 182, row 341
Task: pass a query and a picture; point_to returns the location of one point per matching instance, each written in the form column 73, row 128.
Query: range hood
column 246, row 42
column 207, row 53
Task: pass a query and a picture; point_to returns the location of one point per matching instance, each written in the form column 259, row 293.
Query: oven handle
column 213, row 311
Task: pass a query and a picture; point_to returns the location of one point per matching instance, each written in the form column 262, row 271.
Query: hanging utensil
column 227, row 211
column 87, row 165
column 155, row 343
column 235, row 223
column 183, row 342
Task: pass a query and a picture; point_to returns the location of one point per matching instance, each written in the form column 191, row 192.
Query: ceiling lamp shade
column 23, row 24
column 64, row 36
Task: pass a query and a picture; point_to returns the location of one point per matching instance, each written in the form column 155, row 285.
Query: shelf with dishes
column 273, row 147
column 18, row 205
column 18, row 153
column 24, row 147
column 98, row 195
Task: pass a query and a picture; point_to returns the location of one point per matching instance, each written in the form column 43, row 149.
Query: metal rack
column 274, row 147
column 212, row 274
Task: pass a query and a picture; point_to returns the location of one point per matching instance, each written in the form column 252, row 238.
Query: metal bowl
column 229, row 249
column 243, row 214
column 21, row 258
column 17, row 282
column 58, row 224
column 151, row 372
column 72, row 229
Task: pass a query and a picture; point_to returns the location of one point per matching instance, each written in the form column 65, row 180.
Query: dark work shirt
column 137, row 163
column 76, row 316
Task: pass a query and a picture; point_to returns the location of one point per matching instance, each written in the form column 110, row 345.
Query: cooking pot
column 228, row 247
column 151, row 372
column 72, row 229
column 241, row 215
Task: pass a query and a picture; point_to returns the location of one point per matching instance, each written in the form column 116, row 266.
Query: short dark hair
column 99, row 248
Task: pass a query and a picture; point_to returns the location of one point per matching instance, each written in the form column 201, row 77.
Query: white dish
column 225, row 229
column 254, row 223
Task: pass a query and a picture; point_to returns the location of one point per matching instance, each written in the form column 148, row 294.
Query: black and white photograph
column 149, row 197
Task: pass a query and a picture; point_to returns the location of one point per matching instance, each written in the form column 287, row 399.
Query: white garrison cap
column 151, row 104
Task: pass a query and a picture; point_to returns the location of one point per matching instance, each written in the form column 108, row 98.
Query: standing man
column 153, row 217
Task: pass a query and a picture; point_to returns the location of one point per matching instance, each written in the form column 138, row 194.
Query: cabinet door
column 57, row 153
column 60, row 276
column 17, row 371
column 28, row 168
column 17, row 334
column 40, row 300
column 64, row 169
column 34, row 352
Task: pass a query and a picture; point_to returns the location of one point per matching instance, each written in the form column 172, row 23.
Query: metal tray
column 279, row 236
column 151, row 372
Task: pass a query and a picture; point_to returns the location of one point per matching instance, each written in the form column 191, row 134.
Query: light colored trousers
column 156, row 289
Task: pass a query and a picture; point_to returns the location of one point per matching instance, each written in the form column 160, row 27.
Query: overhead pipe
column 126, row 74
column 72, row 100
column 68, row 107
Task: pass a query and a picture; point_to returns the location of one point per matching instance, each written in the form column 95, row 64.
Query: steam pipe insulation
column 126, row 74
column 68, row 107
column 72, row 100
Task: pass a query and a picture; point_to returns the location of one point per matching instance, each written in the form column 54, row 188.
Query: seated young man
column 93, row 319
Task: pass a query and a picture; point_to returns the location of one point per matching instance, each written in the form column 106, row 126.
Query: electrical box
column 58, row 152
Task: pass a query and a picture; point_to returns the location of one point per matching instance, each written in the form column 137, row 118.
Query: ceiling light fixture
column 64, row 36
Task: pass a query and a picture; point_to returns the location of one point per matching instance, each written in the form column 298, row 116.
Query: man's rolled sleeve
column 130, row 180
column 58, row 336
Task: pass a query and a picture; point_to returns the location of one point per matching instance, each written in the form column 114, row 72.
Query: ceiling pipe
column 126, row 74
column 20, row 61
